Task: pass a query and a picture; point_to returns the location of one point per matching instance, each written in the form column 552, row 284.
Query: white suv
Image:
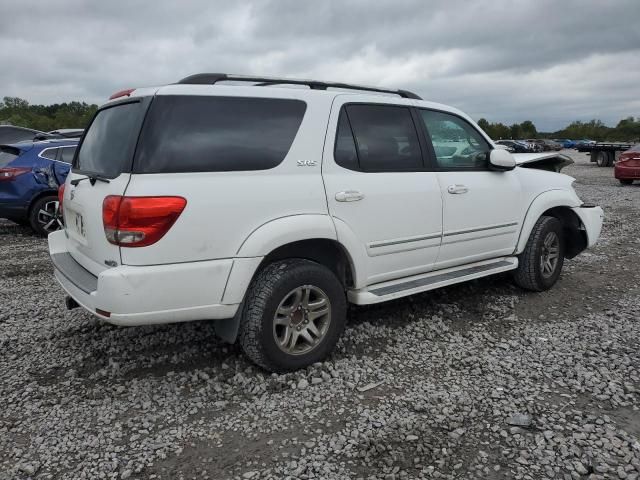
column 268, row 204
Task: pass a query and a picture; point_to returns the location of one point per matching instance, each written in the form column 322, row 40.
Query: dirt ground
column 449, row 369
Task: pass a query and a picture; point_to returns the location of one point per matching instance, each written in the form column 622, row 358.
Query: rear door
column 380, row 190
column 106, row 151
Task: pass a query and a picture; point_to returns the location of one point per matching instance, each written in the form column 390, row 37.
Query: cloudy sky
column 548, row 61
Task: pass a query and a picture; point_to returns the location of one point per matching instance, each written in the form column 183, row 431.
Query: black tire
column 604, row 159
column 626, row 181
column 41, row 223
column 257, row 333
column 529, row 274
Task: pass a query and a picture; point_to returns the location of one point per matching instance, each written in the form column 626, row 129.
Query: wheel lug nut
column 298, row 328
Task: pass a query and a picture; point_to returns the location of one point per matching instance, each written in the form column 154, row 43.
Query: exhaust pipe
column 70, row 303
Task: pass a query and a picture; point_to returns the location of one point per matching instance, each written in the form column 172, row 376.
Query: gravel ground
column 479, row 380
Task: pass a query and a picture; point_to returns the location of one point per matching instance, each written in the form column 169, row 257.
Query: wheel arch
column 38, row 196
column 558, row 204
column 325, row 251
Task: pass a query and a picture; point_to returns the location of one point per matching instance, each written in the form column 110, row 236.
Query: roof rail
column 212, row 78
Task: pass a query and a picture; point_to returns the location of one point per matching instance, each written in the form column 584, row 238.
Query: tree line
column 17, row 111
column 627, row 130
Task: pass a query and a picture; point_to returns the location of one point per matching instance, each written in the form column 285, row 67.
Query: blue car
column 30, row 174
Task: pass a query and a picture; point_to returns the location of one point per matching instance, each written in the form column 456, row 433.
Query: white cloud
column 551, row 62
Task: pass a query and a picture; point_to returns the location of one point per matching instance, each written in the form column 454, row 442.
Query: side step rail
column 403, row 287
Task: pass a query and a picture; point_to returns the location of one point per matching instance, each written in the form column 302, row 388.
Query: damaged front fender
column 550, row 161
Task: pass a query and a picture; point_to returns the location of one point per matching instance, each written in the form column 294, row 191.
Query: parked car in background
column 363, row 197
column 627, row 168
column 565, row 142
column 514, row 146
column 14, row 134
column 538, row 145
column 551, row 145
column 30, row 174
column 67, row 132
column 584, row 144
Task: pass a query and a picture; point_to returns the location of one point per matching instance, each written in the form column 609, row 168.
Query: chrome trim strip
column 478, row 237
column 55, row 148
column 398, row 242
column 480, row 229
column 422, row 282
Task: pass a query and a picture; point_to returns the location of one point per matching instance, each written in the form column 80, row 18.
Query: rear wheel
column 626, row 181
column 541, row 261
column 294, row 314
column 45, row 215
column 604, row 159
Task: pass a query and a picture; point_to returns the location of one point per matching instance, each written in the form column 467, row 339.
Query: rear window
column 8, row 155
column 217, row 134
column 107, row 148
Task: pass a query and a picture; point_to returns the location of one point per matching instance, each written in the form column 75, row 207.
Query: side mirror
column 500, row 159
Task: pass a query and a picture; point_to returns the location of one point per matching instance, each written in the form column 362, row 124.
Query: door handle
column 349, row 196
column 457, row 189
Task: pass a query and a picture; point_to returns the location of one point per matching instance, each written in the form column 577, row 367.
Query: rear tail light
column 8, row 174
column 139, row 221
column 60, row 196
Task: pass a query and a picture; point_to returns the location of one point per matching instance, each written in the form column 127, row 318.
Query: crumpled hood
column 551, row 161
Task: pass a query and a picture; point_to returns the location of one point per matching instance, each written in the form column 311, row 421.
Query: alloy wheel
column 302, row 320
column 550, row 254
column 50, row 216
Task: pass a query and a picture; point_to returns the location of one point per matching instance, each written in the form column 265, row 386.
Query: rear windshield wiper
column 92, row 179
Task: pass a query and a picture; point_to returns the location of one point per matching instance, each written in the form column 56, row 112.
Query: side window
column 386, row 138
column 50, row 153
column 216, row 134
column 66, row 154
column 345, row 153
column 455, row 142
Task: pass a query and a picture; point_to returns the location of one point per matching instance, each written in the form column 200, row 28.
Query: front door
column 382, row 199
column 481, row 207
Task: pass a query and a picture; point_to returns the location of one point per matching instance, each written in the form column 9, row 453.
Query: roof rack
column 212, row 78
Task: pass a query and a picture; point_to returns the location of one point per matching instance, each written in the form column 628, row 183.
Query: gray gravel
column 478, row 381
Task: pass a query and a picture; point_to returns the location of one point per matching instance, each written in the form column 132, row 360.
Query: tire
column 626, row 181
column 603, row 159
column 44, row 216
column 530, row 274
column 263, row 323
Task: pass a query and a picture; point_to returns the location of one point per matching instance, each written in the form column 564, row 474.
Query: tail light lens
column 60, row 196
column 8, row 174
column 139, row 221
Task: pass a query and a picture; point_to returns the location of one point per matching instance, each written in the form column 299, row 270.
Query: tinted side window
column 209, row 134
column 345, row 153
column 66, row 154
column 50, row 153
column 455, row 142
column 386, row 138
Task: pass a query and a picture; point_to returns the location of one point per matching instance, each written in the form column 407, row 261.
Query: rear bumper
column 592, row 218
column 146, row 295
column 626, row 173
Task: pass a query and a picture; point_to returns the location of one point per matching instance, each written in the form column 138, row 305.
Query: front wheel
column 626, row 181
column 45, row 216
column 541, row 261
column 294, row 314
